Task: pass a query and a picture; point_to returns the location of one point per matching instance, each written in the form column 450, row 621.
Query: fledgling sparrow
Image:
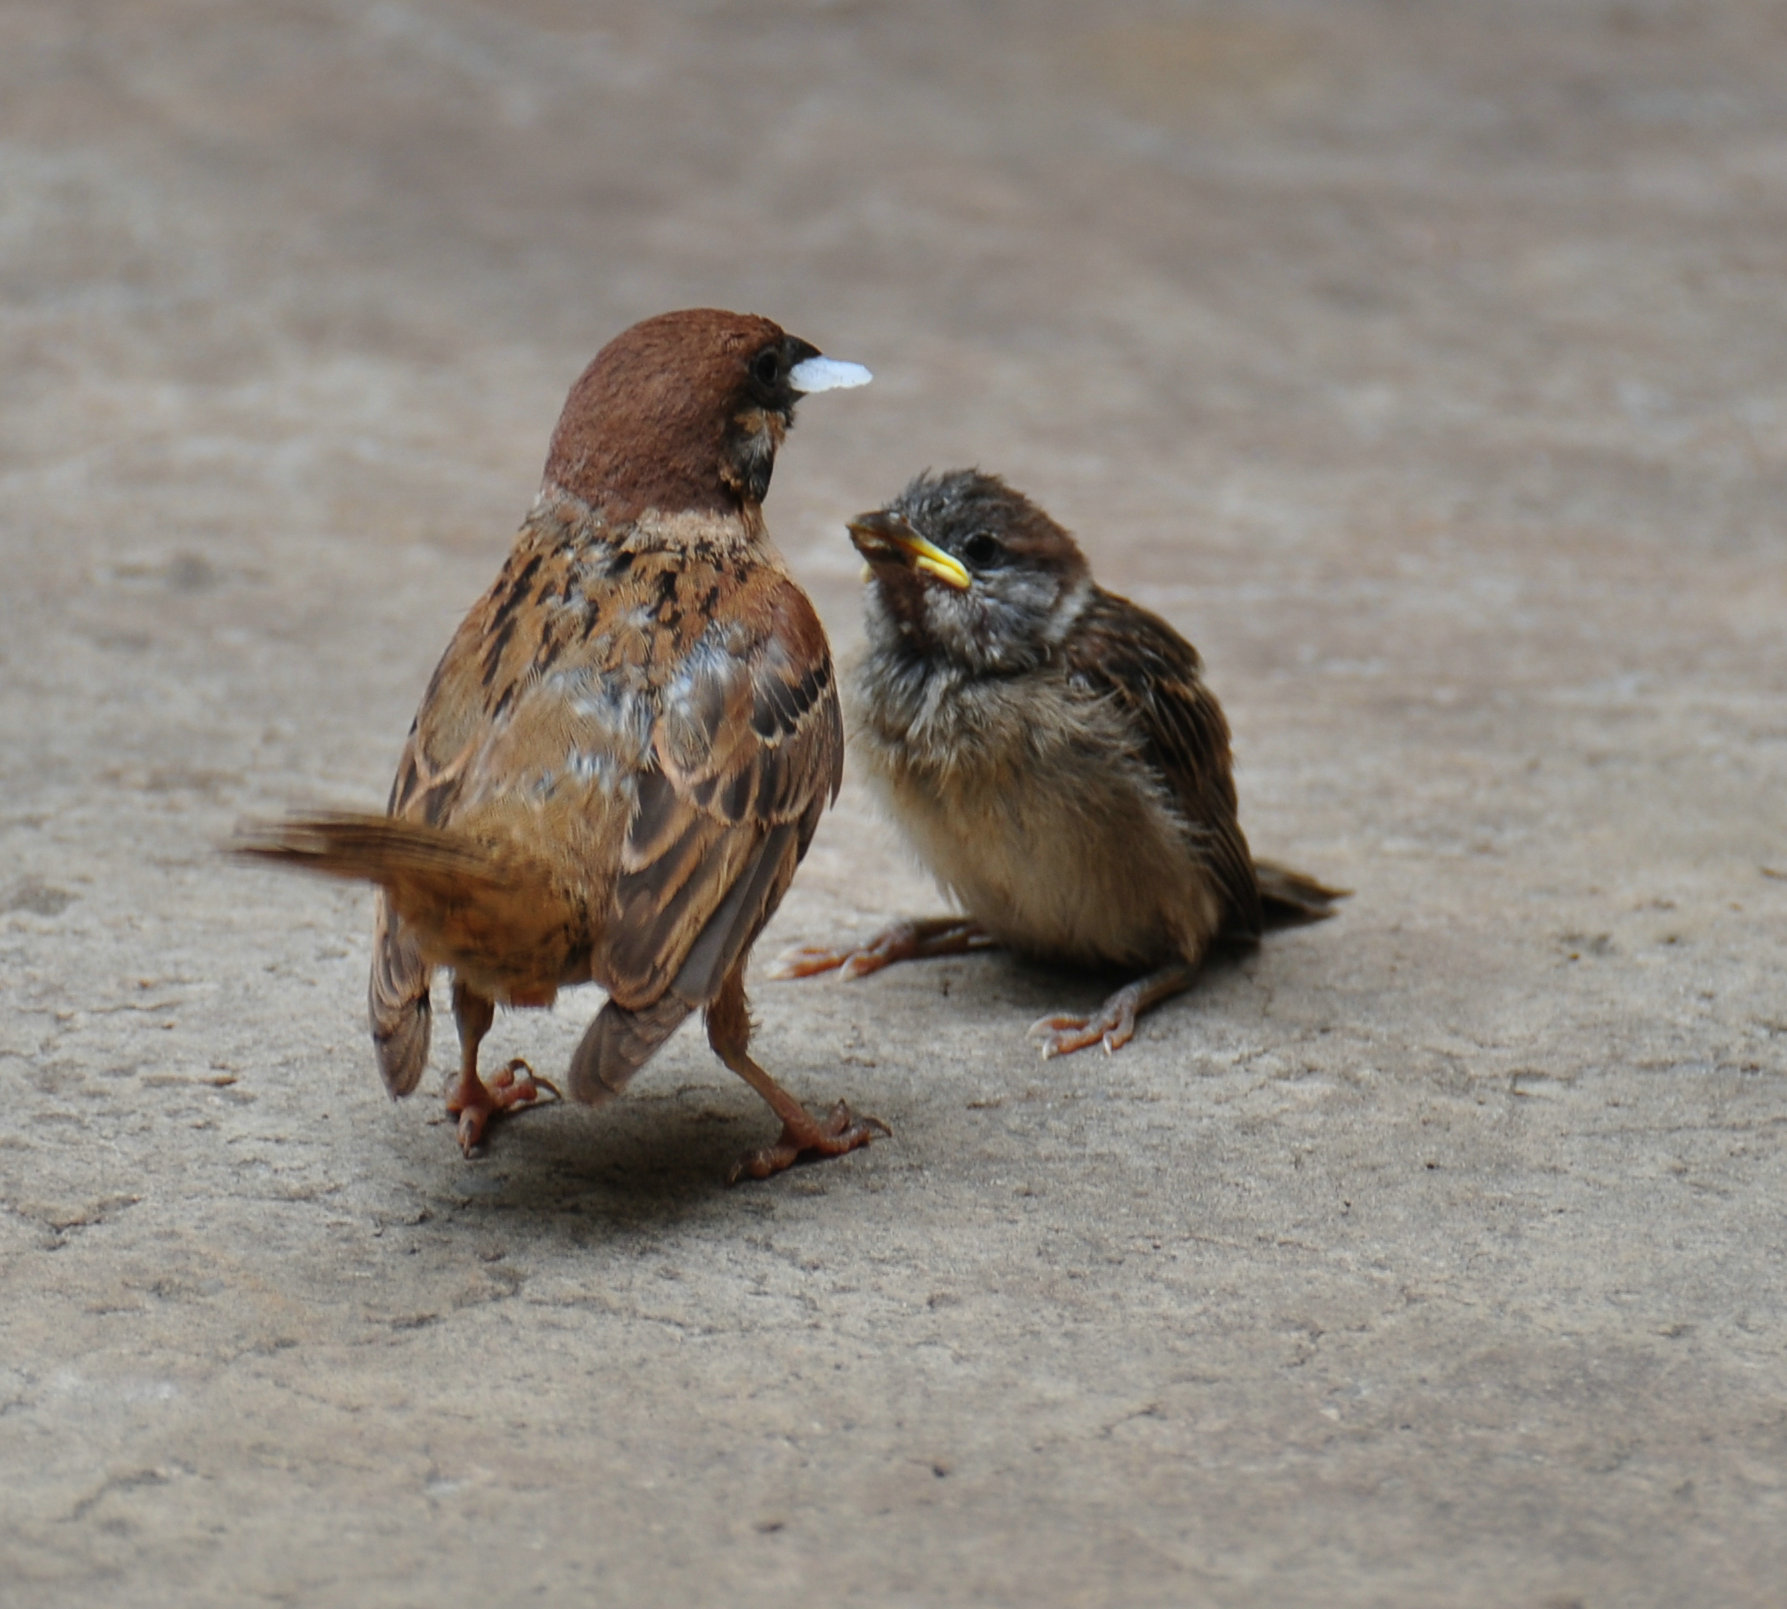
column 626, row 748
column 1053, row 755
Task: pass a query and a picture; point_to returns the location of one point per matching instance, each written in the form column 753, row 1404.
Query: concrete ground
column 1425, row 364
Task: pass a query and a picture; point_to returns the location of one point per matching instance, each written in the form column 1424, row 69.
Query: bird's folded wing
column 1138, row 660
column 747, row 750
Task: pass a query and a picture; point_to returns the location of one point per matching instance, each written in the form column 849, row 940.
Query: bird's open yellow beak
column 884, row 536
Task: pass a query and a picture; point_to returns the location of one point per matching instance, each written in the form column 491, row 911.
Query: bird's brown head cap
column 965, row 567
column 683, row 413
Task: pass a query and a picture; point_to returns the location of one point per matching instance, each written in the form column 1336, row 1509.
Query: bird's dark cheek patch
column 751, row 452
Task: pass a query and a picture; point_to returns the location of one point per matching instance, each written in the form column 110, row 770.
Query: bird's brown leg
column 904, row 941
column 1114, row 1021
column 729, row 1032
column 470, row 1099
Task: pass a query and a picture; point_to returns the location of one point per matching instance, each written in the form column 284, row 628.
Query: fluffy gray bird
column 1053, row 755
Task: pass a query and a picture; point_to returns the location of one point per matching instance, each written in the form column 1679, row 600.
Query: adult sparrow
column 624, row 751
column 1053, row 755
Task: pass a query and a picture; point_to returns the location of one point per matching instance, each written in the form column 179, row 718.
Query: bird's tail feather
column 1288, row 898
column 456, row 896
column 380, row 849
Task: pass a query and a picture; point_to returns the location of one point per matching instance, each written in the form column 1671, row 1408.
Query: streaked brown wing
column 1123, row 652
column 748, row 751
column 397, row 1002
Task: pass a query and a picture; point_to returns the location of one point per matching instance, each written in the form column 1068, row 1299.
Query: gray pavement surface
column 1424, row 363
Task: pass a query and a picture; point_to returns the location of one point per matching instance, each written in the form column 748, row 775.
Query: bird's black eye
column 766, row 367
column 981, row 549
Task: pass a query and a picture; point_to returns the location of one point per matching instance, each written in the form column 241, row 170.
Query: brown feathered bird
column 625, row 749
column 1053, row 755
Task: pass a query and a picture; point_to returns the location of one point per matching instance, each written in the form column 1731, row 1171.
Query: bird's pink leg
column 904, row 941
column 470, row 1099
column 1060, row 1034
column 803, row 1135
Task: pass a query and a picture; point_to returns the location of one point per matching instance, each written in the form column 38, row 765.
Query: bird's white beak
column 826, row 374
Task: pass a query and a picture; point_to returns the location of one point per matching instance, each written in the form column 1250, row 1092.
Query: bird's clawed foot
column 1060, row 1034
column 476, row 1103
column 809, row 1140
column 1113, row 1024
column 904, row 941
column 809, row 960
